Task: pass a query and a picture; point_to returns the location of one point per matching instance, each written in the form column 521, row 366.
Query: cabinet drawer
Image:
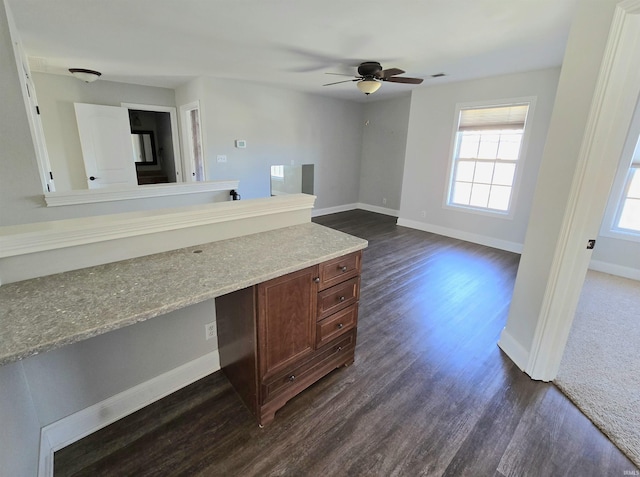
column 339, row 269
column 299, row 377
column 338, row 297
column 336, row 324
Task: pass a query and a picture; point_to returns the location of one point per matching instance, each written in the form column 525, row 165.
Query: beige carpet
column 600, row 370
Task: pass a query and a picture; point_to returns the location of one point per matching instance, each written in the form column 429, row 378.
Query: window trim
column 608, row 228
column 515, row 188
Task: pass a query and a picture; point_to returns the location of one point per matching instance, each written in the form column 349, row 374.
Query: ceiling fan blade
column 404, row 79
column 389, row 72
column 345, row 81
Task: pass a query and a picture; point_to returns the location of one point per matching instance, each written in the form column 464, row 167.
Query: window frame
column 519, row 163
column 620, row 186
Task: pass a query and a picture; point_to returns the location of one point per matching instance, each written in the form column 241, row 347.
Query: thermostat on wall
column 241, row 143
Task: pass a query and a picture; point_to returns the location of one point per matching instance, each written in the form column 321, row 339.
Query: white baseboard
column 67, row 430
column 462, row 235
column 614, row 269
column 333, row 210
column 379, row 210
column 514, row 350
column 357, row 205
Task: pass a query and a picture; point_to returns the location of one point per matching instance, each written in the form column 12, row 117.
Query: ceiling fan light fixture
column 88, row 76
column 368, row 85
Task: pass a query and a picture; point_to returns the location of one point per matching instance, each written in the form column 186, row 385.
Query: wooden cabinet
column 280, row 336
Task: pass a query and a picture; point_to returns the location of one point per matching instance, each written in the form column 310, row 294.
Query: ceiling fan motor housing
column 369, row 69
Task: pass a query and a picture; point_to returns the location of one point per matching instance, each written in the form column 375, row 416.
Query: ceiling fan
column 371, row 75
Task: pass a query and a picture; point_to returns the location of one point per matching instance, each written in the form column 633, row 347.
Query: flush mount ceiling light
column 368, row 85
column 88, row 76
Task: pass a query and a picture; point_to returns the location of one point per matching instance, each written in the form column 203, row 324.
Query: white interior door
column 105, row 138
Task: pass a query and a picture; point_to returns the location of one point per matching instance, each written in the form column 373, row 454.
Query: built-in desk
column 46, row 313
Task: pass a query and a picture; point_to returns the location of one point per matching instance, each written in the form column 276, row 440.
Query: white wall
column 384, row 142
column 56, row 95
column 431, row 128
column 280, row 127
column 617, row 256
column 576, row 87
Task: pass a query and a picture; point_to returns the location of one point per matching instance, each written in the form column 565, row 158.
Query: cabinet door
column 286, row 319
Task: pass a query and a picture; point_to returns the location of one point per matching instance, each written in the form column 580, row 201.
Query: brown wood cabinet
column 278, row 337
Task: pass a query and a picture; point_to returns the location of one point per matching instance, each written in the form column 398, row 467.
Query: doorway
column 154, row 135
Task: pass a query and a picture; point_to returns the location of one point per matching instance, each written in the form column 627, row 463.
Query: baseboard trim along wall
column 614, row 269
column 462, row 235
column 357, row 205
column 68, row 430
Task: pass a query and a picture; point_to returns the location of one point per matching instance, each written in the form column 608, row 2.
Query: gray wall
column 280, row 127
column 77, row 376
column 431, row 128
column 384, row 142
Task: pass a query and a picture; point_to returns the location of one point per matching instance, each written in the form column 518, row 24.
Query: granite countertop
column 46, row 313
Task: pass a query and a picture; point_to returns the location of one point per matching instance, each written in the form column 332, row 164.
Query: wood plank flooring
column 429, row 394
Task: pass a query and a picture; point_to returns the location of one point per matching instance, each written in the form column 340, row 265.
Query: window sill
column 110, row 194
column 615, row 234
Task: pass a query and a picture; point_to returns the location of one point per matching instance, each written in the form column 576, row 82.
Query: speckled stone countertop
column 46, row 313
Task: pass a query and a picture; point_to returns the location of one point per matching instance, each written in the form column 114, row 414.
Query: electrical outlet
column 221, row 158
column 384, row 201
column 210, row 330
column 424, row 214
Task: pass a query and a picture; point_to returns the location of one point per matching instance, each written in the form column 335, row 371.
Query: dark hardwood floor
column 430, row 393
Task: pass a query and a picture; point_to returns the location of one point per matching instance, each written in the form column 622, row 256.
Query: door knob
column 92, row 178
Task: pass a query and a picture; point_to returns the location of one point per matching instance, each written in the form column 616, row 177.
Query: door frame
column 605, row 135
column 189, row 160
column 175, row 137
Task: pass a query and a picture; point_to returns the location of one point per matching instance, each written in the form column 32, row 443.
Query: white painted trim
column 357, row 205
column 462, row 235
column 333, row 210
column 524, row 146
column 514, row 350
column 175, row 135
column 110, row 194
column 614, row 269
column 69, row 429
column 378, row 210
column 609, row 119
column 41, row 236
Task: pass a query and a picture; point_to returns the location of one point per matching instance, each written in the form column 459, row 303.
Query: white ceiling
column 293, row 43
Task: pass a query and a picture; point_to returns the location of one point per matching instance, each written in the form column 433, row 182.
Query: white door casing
column 105, row 138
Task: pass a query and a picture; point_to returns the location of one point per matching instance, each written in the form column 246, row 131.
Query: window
column 487, row 151
column 627, row 218
column 277, row 172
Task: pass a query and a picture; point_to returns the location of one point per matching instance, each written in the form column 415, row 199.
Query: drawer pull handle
column 292, row 378
column 340, row 326
column 339, row 348
column 344, row 269
column 341, row 299
column 316, row 280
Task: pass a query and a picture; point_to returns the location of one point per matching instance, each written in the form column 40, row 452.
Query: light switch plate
column 241, row 143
